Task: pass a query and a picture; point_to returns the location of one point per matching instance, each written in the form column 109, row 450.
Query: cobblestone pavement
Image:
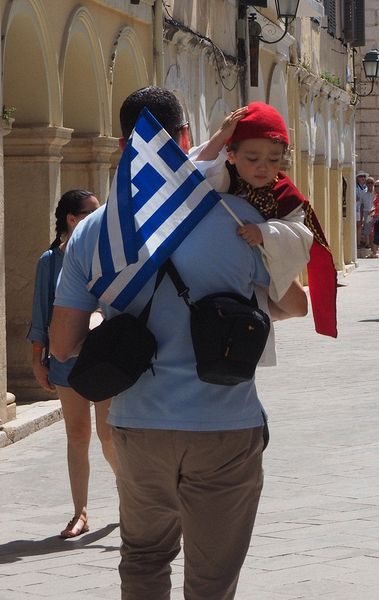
column 317, row 531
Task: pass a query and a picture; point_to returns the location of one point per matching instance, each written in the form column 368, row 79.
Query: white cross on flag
column 157, row 197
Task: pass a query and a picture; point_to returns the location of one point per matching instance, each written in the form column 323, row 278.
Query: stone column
column 32, row 158
column 349, row 222
column 335, row 214
column 7, row 411
column 86, row 164
column 306, row 188
column 321, row 193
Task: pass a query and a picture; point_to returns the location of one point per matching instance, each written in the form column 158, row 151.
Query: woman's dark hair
column 69, row 204
column 162, row 103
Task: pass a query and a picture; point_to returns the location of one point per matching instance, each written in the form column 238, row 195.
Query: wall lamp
column 286, row 12
column 371, row 68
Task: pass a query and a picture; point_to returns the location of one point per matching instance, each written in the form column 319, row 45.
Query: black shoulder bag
column 229, row 333
column 115, row 354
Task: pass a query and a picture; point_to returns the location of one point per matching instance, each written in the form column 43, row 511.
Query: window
column 330, row 11
column 354, row 22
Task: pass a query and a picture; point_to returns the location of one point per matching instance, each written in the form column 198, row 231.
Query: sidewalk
column 317, row 530
column 30, row 417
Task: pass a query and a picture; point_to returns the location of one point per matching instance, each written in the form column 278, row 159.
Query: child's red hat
column 261, row 121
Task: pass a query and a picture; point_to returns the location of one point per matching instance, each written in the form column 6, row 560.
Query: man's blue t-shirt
column 211, row 259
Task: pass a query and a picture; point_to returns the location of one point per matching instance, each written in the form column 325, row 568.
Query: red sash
column 322, row 276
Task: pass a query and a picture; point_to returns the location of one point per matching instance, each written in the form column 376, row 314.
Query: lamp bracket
column 265, row 29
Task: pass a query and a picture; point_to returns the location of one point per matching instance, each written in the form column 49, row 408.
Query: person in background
column 375, row 223
column 367, row 201
column 189, row 452
column 51, row 374
column 360, row 190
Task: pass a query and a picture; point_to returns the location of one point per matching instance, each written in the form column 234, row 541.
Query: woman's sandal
column 75, row 527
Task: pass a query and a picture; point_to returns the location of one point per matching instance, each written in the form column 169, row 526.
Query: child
column 243, row 158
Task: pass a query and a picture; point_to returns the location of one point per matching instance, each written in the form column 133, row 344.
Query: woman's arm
column 38, row 331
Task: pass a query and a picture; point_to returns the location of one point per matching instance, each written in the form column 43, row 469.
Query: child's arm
column 211, row 150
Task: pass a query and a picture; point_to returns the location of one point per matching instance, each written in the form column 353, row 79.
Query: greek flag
column 157, row 197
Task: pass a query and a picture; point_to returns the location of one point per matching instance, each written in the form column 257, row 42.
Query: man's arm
column 68, row 329
column 293, row 304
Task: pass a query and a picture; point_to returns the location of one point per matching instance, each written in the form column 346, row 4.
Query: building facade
column 67, row 66
column 367, row 121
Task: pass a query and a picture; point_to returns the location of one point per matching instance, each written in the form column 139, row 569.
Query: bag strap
column 51, row 297
column 183, row 289
column 144, row 315
column 51, row 287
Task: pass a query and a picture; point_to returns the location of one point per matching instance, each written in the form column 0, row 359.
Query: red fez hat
column 261, row 121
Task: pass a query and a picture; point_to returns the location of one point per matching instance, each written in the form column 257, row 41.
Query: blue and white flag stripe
column 157, row 198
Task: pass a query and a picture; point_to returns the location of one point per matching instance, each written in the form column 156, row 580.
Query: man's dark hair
column 162, row 103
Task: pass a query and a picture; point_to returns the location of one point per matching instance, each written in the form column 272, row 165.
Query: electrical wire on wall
column 216, row 50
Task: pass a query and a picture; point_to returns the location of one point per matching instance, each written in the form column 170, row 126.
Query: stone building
column 367, row 119
column 67, row 66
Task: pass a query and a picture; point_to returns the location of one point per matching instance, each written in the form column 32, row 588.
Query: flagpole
column 231, row 212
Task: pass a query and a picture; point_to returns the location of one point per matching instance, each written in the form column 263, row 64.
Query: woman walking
column 51, row 374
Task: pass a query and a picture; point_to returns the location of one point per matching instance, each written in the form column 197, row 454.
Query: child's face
column 257, row 161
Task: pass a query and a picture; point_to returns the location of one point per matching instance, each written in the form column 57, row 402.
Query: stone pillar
column 4, row 129
column 32, row 158
column 335, row 215
column 86, row 164
column 321, row 193
column 349, row 221
column 306, row 188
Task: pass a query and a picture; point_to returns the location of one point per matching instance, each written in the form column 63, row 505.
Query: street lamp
column 286, row 12
column 371, row 68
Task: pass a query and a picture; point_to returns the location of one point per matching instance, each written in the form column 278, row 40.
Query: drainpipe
column 158, row 43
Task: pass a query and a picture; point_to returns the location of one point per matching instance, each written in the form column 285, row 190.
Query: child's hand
column 218, row 139
column 251, row 234
column 230, row 122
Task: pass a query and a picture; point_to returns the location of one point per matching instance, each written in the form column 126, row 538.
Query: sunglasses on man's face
column 85, row 212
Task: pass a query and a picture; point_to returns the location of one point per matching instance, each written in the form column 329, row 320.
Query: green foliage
column 305, row 63
column 333, row 79
column 8, row 112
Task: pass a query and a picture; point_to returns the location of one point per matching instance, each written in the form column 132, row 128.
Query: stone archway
column 126, row 72
column 32, row 154
column 86, row 161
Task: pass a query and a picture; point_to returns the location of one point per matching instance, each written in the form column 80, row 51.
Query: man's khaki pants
column 202, row 485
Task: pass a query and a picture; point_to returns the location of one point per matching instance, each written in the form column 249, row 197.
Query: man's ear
column 121, row 143
column 184, row 139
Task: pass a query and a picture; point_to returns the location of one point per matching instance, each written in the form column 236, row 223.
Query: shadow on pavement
column 19, row 549
column 368, row 321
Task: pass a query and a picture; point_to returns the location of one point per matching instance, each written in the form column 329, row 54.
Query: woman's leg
column 104, row 432
column 77, row 417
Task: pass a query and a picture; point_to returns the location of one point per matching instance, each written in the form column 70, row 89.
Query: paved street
column 317, row 531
